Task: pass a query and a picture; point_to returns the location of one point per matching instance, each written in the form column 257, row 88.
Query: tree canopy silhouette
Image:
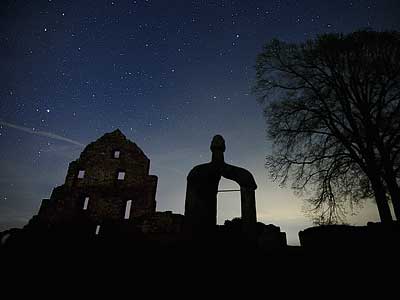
column 332, row 106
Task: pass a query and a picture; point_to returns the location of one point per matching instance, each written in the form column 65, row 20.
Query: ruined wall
column 101, row 167
column 163, row 222
column 104, row 184
column 343, row 238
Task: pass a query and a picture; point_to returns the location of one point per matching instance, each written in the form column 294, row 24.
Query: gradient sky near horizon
column 169, row 74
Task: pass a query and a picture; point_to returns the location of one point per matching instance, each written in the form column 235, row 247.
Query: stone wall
column 342, row 238
column 107, row 195
column 163, row 222
column 101, row 167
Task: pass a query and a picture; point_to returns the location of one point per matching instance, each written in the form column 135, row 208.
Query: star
column 145, row 67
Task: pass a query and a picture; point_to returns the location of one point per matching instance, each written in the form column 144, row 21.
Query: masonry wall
column 107, row 194
column 101, row 167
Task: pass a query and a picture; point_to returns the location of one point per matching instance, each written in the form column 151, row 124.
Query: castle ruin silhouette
column 109, row 195
column 109, row 199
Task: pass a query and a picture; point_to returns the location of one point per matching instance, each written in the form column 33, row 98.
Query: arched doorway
column 202, row 190
column 228, row 201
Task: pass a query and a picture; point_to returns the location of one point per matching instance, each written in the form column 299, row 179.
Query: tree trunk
column 394, row 192
column 375, row 175
column 381, row 201
column 390, row 177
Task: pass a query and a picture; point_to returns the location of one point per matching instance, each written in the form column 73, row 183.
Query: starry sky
column 169, row 74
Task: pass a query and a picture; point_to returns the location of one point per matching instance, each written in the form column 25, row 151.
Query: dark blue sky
column 169, row 74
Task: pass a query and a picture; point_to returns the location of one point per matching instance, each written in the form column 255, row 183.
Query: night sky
column 169, row 74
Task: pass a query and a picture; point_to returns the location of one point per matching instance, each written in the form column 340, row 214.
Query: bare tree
column 332, row 107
